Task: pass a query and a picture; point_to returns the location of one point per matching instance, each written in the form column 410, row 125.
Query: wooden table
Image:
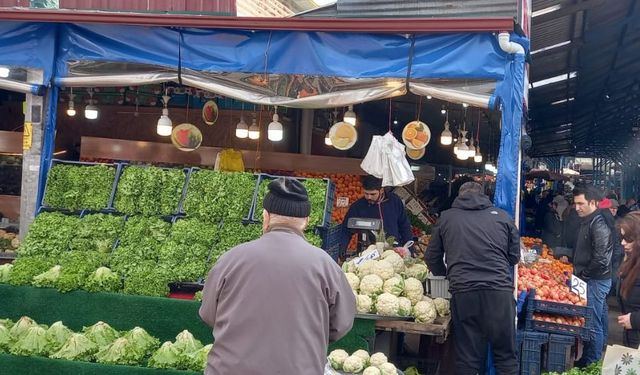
column 440, row 328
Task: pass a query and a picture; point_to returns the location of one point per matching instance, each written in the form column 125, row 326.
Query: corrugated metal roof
column 427, row 9
column 227, row 7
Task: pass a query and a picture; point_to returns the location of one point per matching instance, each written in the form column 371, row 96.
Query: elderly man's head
column 286, row 203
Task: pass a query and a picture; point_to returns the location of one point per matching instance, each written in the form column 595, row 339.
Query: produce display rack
column 530, row 345
column 437, row 287
column 558, row 308
column 549, row 307
column 559, row 350
column 557, row 328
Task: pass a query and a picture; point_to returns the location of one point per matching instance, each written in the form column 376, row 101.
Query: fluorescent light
column 563, row 101
column 546, row 10
column 558, row 78
column 557, row 45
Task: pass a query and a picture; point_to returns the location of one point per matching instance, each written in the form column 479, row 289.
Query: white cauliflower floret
column 418, row 271
column 353, row 280
column 404, row 306
column 413, row 290
column 383, row 269
column 387, row 304
column 378, row 359
column 362, row 354
column 366, row 268
column 371, row 285
column 337, row 357
column 442, row 306
column 395, row 259
column 364, row 304
column 349, row 266
column 371, row 371
column 394, row 285
column 425, row 312
column 353, row 364
column 388, row 369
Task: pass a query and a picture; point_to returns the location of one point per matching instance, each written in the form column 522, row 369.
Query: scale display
column 363, row 223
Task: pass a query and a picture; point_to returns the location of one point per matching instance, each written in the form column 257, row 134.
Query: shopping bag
column 373, row 162
column 229, row 160
column 397, row 171
column 621, row 360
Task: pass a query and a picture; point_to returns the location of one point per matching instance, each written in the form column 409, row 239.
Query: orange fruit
column 410, row 133
column 422, row 136
column 417, row 143
column 412, row 125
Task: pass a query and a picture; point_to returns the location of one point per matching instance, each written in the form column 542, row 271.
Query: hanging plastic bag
column 397, row 171
column 373, row 162
column 229, row 160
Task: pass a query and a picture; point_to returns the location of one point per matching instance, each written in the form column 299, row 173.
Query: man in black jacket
column 592, row 263
column 481, row 245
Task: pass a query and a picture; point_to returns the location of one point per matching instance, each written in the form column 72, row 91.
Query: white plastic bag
column 373, row 162
column 397, row 171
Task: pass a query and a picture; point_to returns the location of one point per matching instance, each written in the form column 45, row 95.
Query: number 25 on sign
column 579, row 286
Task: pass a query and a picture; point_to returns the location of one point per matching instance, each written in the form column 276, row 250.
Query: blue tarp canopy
column 296, row 69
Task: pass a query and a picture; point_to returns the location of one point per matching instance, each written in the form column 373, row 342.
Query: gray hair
column 299, row 223
column 470, row 187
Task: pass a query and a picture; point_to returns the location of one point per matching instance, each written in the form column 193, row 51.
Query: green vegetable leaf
column 49, row 234
column 78, row 187
column 149, row 190
column 213, row 195
column 77, row 348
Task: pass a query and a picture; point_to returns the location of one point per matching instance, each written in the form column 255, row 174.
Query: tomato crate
column 558, row 308
column 559, row 353
column 557, row 328
column 529, row 346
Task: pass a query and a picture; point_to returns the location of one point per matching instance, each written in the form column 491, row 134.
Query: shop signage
column 579, row 286
column 414, row 206
column 27, row 136
column 402, row 193
column 342, row 202
column 372, row 255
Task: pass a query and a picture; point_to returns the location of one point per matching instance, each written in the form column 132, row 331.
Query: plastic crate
column 556, row 308
column 559, row 352
column 531, row 351
column 109, row 205
column 438, row 287
column 551, row 307
column 328, row 200
column 557, row 328
column 331, row 240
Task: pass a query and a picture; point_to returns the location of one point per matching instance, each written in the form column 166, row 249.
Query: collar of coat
column 284, row 228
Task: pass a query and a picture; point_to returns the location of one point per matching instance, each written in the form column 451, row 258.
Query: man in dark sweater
column 481, row 245
column 379, row 204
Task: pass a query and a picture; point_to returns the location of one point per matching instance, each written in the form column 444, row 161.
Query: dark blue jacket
column 394, row 218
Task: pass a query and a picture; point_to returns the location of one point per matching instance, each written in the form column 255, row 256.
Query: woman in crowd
column 629, row 286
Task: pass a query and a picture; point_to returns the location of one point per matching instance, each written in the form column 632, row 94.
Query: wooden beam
column 10, row 142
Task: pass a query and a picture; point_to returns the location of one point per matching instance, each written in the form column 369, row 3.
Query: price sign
column 342, row 202
column 423, row 219
column 372, row 255
column 414, row 206
column 579, row 286
column 402, row 193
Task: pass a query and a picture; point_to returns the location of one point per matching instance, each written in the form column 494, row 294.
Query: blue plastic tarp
column 28, row 45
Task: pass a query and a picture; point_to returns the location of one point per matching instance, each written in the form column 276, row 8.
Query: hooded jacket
column 480, row 243
column 594, row 248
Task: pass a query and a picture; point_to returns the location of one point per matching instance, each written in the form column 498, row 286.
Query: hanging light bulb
column 446, row 137
column 165, row 125
column 4, row 72
column 462, row 146
column 327, row 140
column 429, row 97
column 471, row 152
column 465, row 105
column 91, row 111
column 254, row 130
column 350, row 116
column 443, row 111
column 242, row 129
column 274, row 131
column 71, row 111
column 478, row 156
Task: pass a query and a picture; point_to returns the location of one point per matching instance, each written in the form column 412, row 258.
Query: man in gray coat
column 277, row 302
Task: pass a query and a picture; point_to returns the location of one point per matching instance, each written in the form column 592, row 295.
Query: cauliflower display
column 413, row 290
column 364, row 303
column 418, row 271
column 353, row 280
column 378, row 359
column 394, row 285
column 384, row 269
column 371, row 371
column 425, row 312
column 371, row 285
column 388, row 369
column 404, row 306
column 337, row 357
column 387, row 304
column 366, row 268
column 353, row 364
column 349, row 266
column 442, row 306
column 396, row 260
column 362, row 354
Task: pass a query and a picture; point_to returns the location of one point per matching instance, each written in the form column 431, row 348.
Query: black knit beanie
column 287, row 197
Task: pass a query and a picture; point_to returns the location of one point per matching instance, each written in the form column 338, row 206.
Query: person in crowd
column 300, row 288
column 481, row 245
column 592, row 263
column 632, row 203
column 379, row 204
column 541, row 209
column 629, row 287
column 622, row 211
column 571, row 224
column 609, row 209
column 553, row 222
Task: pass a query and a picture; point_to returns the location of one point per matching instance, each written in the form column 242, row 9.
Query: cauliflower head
column 349, row 266
column 388, row 369
column 378, row 359
column 404, row 306
column 384, row 269
column 353, row 364
column 396, row 260
column 371, row 285
column 371, row 371
column 413, row 290
column 418, row 271
column 364, row 304
column 387, row 304
column 353, row 280
column 366, row 268
column 337, row 357
column 425, row 312
column 394, row 285
column 442, row 306
column 362, row 354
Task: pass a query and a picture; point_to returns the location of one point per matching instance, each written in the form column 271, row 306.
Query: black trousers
column 482, row 317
